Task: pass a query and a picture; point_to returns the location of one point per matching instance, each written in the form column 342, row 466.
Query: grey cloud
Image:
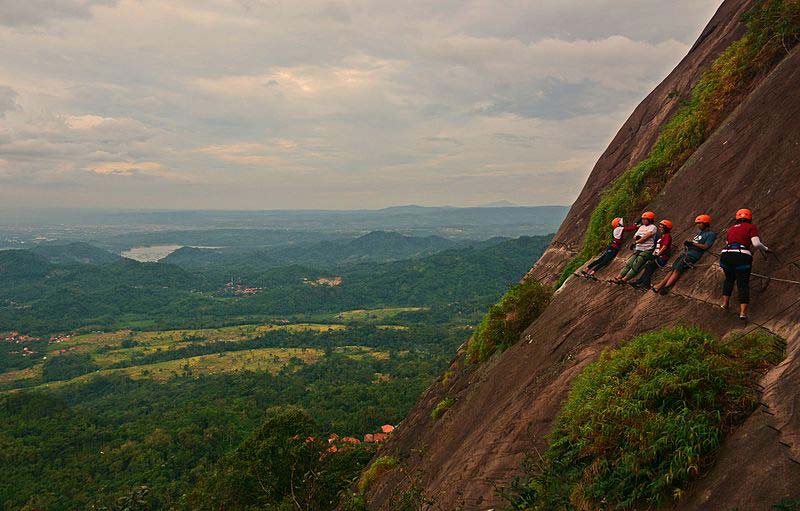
column 8, row 98
column 38, row 12
column 336, row 11
column 647, row 20
column 556, row 99
column 444, row 140
column 515, row 139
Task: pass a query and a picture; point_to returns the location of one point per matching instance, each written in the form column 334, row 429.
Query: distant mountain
column 21, row 265
column 391, row 246
column 501, row 204
column 376, row 246
column 122, row 230
column 77, row 252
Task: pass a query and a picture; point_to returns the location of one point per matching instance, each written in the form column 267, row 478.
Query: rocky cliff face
column 505, row 408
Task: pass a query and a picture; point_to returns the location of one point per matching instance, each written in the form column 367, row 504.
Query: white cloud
column 88, row 121
column 127, row 168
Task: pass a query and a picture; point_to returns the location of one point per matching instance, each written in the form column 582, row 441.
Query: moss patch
column 442, row 407
column 773, row 26
column 644, row 420
column 505, row 321
column 379, row 467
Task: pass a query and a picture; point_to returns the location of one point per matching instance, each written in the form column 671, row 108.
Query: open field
column 30, row 373
column 257, row 360
column 109, row 349
column 265, row 360
column 375, row 315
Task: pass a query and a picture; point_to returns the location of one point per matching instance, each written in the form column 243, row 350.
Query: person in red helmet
column 695, row 248
column 736, row 259
column 644, row 244
column 618, row 231
column 660, row 255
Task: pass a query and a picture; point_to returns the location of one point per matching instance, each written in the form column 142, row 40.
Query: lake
column 153, row 253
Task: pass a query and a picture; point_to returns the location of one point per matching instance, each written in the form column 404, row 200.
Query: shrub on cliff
column 505, row 321
column 379, row 467
column 442, row 407
column 285, row 464
column 643, row 421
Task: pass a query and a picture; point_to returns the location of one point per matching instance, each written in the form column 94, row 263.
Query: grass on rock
column 506, row 320
column 645, row 419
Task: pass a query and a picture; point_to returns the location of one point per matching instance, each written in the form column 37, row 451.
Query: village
column 18, row 338
column 341, row 443
column 239, row 289
column 324, row 281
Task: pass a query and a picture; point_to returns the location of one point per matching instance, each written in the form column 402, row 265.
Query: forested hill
column 76, row 252
column 41, row 297
column 375, row 246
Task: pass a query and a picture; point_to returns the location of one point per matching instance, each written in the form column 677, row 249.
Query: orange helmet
column 703, row 219
column 616, row 222
column 649, row 215
column 666, row 223
column 745, row 214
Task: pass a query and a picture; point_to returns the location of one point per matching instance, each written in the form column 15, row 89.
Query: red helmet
column 703, row 219
column 666, row 223
column 616, row 222
column 649, row 215
column 745, row 214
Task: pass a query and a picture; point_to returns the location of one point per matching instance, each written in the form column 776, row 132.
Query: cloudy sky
column 262, row 104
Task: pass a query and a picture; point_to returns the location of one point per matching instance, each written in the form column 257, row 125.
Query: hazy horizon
column 4, row 209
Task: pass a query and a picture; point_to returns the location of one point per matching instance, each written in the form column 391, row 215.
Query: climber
column 644, row 243
column 618, row 230
column 736, row 259
column 661, row 255
column 695, row 248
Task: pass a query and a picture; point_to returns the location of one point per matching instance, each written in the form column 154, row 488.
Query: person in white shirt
column 644, row 243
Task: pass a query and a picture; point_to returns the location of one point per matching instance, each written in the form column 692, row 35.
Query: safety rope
column 774, row 278
column 758, row 325
column 754, row 274
column 779, row 313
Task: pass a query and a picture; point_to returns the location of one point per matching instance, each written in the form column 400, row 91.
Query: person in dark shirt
column 736, row 259
column 695, row 248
